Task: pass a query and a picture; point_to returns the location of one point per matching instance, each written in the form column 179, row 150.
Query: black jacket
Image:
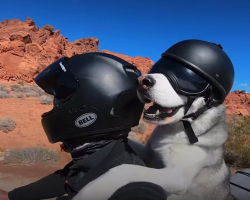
column 75, row 176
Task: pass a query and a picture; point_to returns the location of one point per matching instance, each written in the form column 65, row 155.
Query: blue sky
column 146, row 27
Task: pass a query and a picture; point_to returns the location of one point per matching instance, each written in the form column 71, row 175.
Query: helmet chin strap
column 187, row 125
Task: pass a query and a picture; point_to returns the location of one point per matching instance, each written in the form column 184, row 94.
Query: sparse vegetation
column 20, row 95
column 141, row 128
column 32, row 155
column 21, row 88
column 46, row 99
column 37, row 90
column 7, row 124
column 31, row 94
column 16, row 88
column 3, row 88
column 21, row 91
column 238, row 145
column 4, row 95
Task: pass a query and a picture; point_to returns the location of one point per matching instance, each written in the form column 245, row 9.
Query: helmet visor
column 57, row 79
column 183, row 80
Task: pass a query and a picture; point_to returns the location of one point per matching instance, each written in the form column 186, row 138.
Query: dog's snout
column 145, row 83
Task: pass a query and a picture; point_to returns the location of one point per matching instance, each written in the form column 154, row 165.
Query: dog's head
column 168, row 106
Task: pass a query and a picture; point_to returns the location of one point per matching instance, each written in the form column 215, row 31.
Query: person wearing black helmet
column 95, row 105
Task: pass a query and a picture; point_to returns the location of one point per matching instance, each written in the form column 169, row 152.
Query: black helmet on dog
column 193, row 65
column 94, row 97
column 197, row 68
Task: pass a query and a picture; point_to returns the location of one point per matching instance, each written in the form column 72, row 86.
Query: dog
column 185, row 171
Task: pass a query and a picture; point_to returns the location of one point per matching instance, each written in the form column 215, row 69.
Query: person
column 95, row 105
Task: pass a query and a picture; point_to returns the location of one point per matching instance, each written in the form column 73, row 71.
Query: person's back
column 95, row 106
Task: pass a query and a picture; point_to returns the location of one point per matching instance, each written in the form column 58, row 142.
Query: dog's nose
column 144, row 83
column 149, row 82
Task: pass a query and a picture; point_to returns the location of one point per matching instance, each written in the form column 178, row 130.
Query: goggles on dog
column 183, row 80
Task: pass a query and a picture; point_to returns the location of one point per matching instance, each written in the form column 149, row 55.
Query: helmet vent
column 130, row 70
column 135, row 70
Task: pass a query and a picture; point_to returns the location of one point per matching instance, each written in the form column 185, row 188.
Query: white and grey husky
column 189, row 171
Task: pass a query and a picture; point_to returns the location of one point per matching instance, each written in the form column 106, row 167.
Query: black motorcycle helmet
column 197, row 68
column 193, row 66
column 94, row 97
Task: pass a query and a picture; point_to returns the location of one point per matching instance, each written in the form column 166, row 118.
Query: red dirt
column 27, row 115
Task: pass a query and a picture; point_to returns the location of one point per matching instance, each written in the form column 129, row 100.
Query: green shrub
column 3, row 88
column 21, row 88
column 7, row 124
column 46, row 99
column 20, row 91
column 37, row 90
column 17, row 88
column 20, row 95
column 32, row 155
column 31, row 94
column 4, row 95
column 238, row 146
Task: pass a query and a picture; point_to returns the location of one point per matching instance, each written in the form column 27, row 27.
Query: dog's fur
column 189, row 171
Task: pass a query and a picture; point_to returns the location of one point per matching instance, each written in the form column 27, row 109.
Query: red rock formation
column 238, row 102
column 144, row 64
column 25, row 49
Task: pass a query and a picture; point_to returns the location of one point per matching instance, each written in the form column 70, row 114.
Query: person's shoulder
column 139, row 191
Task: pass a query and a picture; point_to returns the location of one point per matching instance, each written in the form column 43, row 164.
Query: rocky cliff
column 25, row 49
